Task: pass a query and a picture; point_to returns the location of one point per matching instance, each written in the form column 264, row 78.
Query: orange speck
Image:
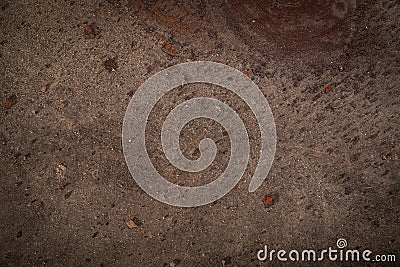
column 328, row 88
column 246, row 73
column 268, row 201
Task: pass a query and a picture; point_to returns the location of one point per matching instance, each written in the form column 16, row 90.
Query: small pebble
column 91, row 31
column 175, row 263
column 10, row 101
column 134, row 223
column 111, row 64
column 169, row 49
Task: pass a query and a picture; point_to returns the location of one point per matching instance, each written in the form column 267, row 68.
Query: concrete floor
column 69, row 69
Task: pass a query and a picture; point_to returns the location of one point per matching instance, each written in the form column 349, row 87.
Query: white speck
column 130, row 141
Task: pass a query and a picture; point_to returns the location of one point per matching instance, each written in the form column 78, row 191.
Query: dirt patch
column 293, row 24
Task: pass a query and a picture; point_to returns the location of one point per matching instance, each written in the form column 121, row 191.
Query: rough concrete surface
column 329, row 70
